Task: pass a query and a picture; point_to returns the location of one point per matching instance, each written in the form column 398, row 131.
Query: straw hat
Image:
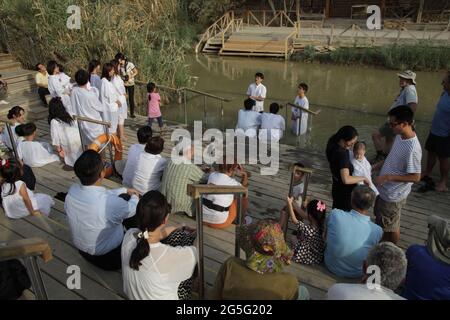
column 408, row 74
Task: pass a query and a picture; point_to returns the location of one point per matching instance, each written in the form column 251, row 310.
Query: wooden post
column 419, row 14
column 264, row 18
column 297, row 9
column 327, row 8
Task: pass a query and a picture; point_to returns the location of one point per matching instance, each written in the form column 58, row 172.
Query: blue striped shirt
column 405, row 158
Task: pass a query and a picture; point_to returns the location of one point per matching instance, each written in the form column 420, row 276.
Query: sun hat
column 265, row 247
column 438, row 242
column 408, row 74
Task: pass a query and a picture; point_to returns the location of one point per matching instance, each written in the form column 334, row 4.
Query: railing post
column 185, row 107
column 237, row 245
column 36, row 278
column 201, row 267
column 205, row 119
column 12, row 140
column 81, row 136
column 264, row 18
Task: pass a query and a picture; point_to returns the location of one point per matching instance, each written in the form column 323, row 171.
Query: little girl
column 310, row 245
column 154, row 104
column 18, row 200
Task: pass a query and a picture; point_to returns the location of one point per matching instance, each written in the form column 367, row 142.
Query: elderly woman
column 260, row 276
column 385, row 258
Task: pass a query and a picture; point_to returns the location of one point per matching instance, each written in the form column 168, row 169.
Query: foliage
column 207, row 11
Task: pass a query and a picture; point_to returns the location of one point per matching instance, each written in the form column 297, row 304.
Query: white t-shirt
column 300, row 125
column 347, row 291
column 224, row 200
column 257, row 91
column 127, row 70
column 68, row 138
column 248, row 123
column 130, row 167
column 36, row 154
column 407, row 95
column 7, row 140
column 161, row 271
column 362, row 168
column 148, row 173
column 275, row 126
column 14, row 205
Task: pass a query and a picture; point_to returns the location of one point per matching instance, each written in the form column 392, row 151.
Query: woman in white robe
column 110, row 98
column 64, row 132
column 121, row 91
column 94, row 78
column 17, row 117
column 59, row 85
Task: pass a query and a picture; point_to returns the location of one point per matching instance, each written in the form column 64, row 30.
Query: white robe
column 109, row 98
column 121, row 91
column 36, row 154
column 362, row 168
column 96, row 81
column 68, row 138
column 14, row 205
column 87, row 104
column 5, row 136
column 59, row 86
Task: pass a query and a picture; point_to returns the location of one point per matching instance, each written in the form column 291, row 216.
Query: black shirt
column 339, row 158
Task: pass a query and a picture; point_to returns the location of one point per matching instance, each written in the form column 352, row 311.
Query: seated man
column 175, row 179
column 350, row 235
column 272, row 124
column 248, row 120
column 391, row 261
column 96, row 214
column 42, row 82
column 428, row 273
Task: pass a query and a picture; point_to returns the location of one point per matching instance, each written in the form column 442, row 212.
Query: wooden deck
column 266, row 199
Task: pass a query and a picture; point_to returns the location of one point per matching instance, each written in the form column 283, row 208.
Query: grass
column 419, row 57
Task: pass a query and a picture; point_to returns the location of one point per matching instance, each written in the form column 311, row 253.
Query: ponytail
column 139, row 253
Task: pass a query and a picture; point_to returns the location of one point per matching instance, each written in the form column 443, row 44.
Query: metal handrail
column 11, row 137
column 197, row 191
column 106, row 125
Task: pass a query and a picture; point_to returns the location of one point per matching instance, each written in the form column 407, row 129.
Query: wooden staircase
column 22, row 89
column 213, row 45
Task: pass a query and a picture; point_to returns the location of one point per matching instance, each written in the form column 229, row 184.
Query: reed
column 421, row 57
column 152, row 33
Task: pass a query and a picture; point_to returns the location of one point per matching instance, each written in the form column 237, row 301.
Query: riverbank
column 420, row 57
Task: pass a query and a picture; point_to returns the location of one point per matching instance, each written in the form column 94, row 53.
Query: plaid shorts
column 388, row 214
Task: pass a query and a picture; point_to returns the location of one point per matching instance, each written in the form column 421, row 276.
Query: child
column 362, row 167
column 64, row 132
column 129, row 166
column 310, row 245
column 299, row 117
column 297, row 194
column 18, row 200
column 257, row 92
column 33, row 153
column 154, row 103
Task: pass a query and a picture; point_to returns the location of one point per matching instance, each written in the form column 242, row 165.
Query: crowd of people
column 129, row 228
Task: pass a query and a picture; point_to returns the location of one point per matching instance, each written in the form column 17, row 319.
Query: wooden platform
column 266, row 193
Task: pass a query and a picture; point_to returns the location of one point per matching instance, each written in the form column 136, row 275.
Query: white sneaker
column 4, row 102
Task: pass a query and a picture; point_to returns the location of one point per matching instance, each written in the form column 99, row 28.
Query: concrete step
column 10, row 66
column 5, row 57
column 22, row 86
column 18, row 75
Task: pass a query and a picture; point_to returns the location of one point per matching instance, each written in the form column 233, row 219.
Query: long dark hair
column 56, row 110
column 115, row 64
column 346, row 133
column 150, row 89
column 317, row 210
column 151, row 212
column 92, row 65
column 107, row 67
column 51, row 66
column 10, row 171
column 14, row 112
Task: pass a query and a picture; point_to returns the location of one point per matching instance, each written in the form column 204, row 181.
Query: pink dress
column 153, row 106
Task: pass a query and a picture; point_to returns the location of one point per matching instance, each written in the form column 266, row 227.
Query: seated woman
column 17, row 200
column 17, row 117
column 158, row 261
column 64, row 132
column 260, row 276
column 150, row 166
column 33, row 153
column 220, row 210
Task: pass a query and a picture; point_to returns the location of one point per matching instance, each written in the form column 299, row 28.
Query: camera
column 126, row 78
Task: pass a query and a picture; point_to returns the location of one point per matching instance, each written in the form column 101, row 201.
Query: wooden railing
column 288, row 47
column 29, row 250
column 267, row 18
column 234, row 25
column 215, row 29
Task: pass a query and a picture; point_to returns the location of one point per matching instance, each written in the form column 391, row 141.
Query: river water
column 347, row 95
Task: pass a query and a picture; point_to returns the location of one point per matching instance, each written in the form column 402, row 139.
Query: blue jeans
column 160, row 121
